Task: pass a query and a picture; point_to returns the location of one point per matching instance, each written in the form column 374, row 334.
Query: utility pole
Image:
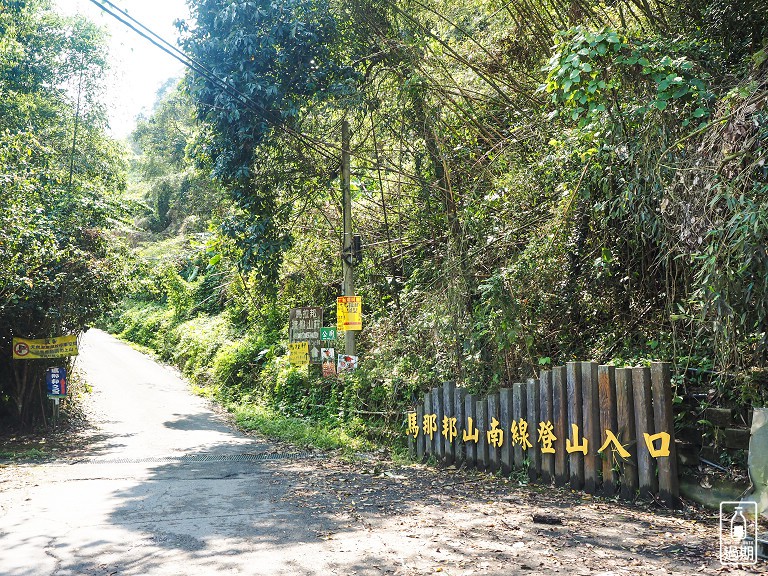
column 348, row 287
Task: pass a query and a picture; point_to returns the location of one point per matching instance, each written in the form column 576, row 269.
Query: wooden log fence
column 600, row 429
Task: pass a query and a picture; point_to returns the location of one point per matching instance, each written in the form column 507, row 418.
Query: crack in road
column 56, row 559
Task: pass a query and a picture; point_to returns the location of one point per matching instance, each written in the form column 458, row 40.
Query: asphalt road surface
column 163, row 485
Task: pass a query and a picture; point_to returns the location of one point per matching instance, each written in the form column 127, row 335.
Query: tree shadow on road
column 325, row 516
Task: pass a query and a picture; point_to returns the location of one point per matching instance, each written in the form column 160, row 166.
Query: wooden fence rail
column 599, row 429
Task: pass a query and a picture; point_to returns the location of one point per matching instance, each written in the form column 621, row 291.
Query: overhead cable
column 194, row 65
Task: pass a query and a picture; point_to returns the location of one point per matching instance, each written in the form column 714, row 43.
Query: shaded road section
column 165, row 486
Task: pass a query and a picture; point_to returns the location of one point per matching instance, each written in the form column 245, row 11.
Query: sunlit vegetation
column 534, row 182
column 62, row 179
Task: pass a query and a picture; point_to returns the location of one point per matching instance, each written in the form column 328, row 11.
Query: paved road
column 131, row 503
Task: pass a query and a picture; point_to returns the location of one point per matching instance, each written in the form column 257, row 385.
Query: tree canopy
column 58, row 267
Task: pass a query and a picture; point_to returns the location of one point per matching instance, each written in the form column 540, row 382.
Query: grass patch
column 299, row 431
column 151, row 352
column 28, row 454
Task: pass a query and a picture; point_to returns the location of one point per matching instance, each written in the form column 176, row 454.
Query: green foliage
column 292, row 62
column 301, row 432
column 195, row 345
column 143, row 323
column 520, row 205
column 238, row 364
column 590, row 70
column 59, row 269
column 177, row 196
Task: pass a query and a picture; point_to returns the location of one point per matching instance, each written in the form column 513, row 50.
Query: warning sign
column 24, row 349
column 349, row 313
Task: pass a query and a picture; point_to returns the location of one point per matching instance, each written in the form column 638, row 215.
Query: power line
column 123, row 17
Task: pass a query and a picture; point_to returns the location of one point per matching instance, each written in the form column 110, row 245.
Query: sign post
column 56, row 384
column 304, row 325
column 348, row 276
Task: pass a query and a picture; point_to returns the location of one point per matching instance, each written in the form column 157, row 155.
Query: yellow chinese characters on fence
column 349, row 313
column 495, row 434
column 658, row 444
column 610, row 438
column 574, row 446
column 413, row 424
column 547, row 437
column 298, row 353
column 520, row 434
column 430, row 425
column 449, row 428
column 470, row 432
column 663, row 449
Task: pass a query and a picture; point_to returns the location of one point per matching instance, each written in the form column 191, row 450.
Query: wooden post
column 664, row 421
column 429, row 443
column 459, row 447
column 481, row 410
column 559, row 415
column 607, row 387
column 470, row 412
column 494, row 453
column 449, row 446
column 575, row 415
column 546, row 415
column 421, row 444
column 532, row 416
column 439, row 410
column 625, row 421
column 641, row 389
column 505, row 417
column 519, row 402
column 591, row 398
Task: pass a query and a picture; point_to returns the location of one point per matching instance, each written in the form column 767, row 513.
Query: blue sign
column 56, row 381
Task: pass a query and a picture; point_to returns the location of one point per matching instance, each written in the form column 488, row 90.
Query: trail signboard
column 56, row 382
column 304, row 325
column 298, row 353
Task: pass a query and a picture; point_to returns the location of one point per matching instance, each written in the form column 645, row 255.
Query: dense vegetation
column 60, row 177
column 521, row 204
column 534, row 182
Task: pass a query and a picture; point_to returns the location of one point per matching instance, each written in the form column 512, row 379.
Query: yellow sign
column 349, row 313
column 24, row 349
column 298, row 353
